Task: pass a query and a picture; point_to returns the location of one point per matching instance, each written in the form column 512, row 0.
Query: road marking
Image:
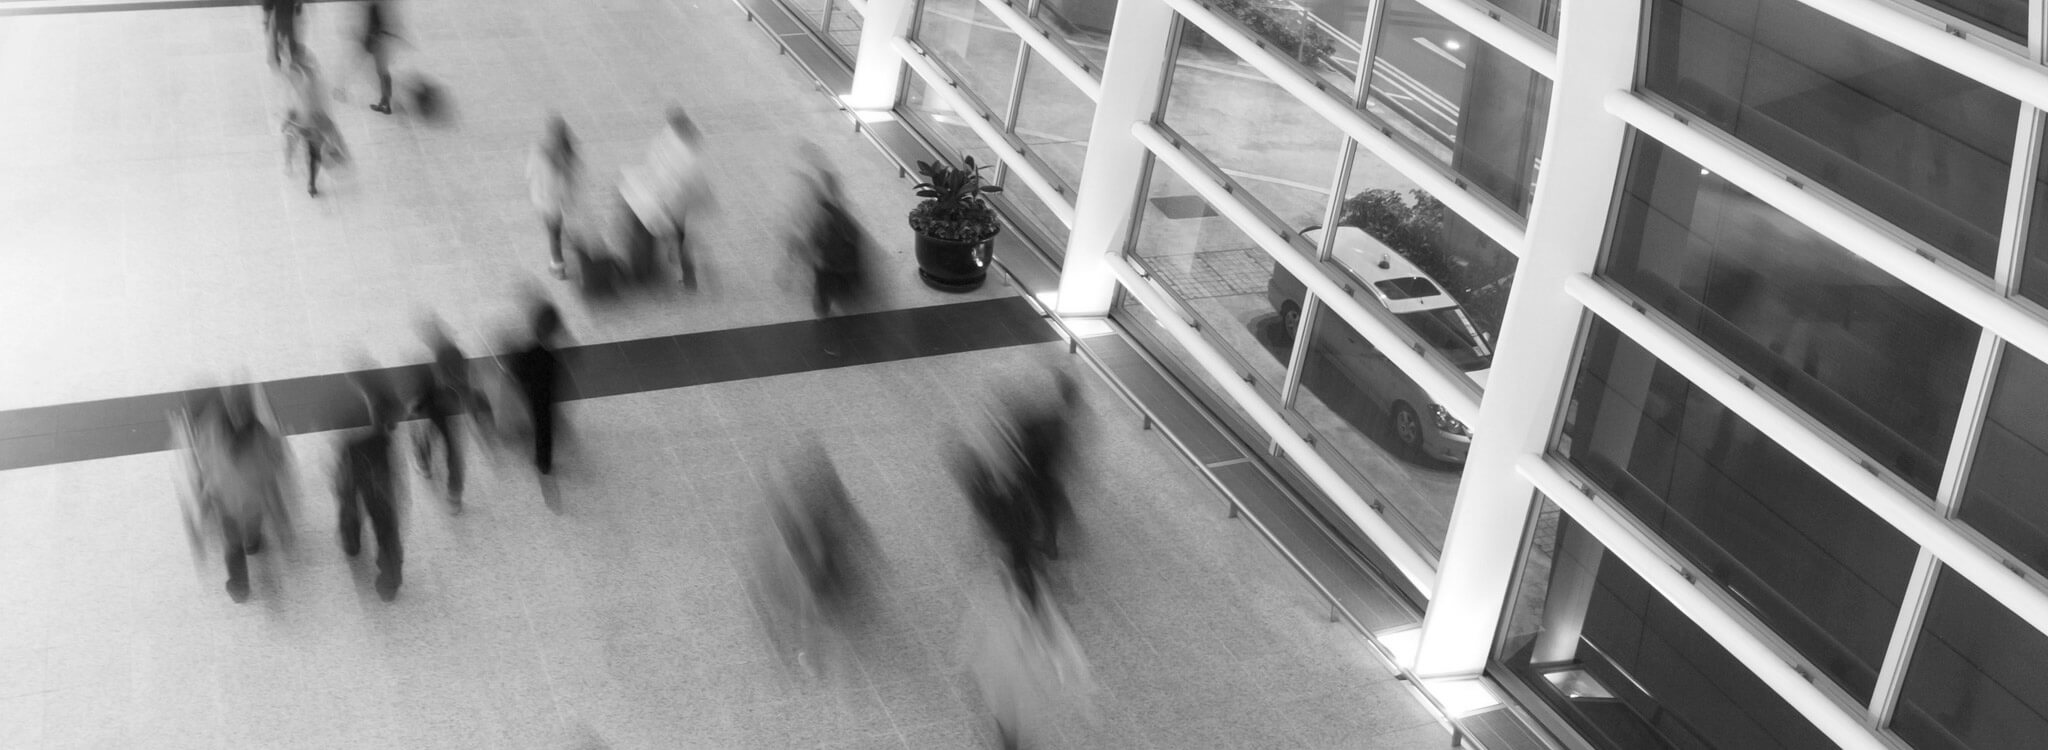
column 1431, row 46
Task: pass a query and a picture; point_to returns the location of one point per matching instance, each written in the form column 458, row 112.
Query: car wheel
column 1406, row 427
column 1290, row 319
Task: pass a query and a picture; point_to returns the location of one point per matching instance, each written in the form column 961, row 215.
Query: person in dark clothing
column 1043, row 443
column 281, row 19
column 442, row 396
column 997, row 495
column 376, row 36
column 835, row 250
column 534, row 366
column 365, row 487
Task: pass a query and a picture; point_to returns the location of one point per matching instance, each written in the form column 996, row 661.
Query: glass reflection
column 1053, row 120
column 1025, row 204
column 2034, row 264
column 1627, row 668
column 1082, row 25
column 2003, row 497
column 1917, row 144
column 1268, row 141
column 1217, row 273
column 950, row 134
column 1368, row 416
column 1810, row 561
column 972, row 44
column 1979, row 676
column 1469, row 266
column 1873, row 359
column 1458, row 99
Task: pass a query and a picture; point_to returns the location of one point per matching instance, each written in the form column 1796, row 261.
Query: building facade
column 1682, row 358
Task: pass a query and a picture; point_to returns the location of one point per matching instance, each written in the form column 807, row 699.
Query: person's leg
column 350, row 522
column 542, row 397
column 685, row 264
column 554, row 222
column 381, row 58
column 312, row 166
column 452, row 445
column 236, row 557
column 390, row 549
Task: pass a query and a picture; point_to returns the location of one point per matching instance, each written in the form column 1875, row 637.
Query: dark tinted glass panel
column 1817, row 567
column 1979, row 676
column 1872, row 358
column 2006, row 18
column 2003, row 498
column 1915, row 143
column 1629, row 670
column 2034, row 272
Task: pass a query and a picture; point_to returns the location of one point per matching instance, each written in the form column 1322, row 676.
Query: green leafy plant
column 953, row 208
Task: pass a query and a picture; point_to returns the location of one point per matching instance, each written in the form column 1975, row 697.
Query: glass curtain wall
column 1628, row 669
column 1037, row 108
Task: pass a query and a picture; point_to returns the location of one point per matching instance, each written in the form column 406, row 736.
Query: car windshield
column 1452, row 333
column 1408, row 287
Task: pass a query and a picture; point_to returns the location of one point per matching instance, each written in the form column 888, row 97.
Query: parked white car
column 1386, row 279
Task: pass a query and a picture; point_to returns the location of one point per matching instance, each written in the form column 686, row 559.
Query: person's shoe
column 351, row 548
column 381, row 108
column 238, row 591
column 560, row 271
column 387, row 587
column 313, row 191
column 254, row 546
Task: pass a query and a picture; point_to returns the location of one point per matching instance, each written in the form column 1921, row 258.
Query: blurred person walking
column 666, row 193
column 308, row 123
column 810, row 568
column 835, row 251
column 552, row 173
column 281, row 21
column 238, row 472
column 1043, row 440
column 375, row 36
column 534, row 367
column 443, row 396
column 1027, row 663
column 366, row 486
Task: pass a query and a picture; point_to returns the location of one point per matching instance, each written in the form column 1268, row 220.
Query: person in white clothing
column 552, row 174
column 666, row 192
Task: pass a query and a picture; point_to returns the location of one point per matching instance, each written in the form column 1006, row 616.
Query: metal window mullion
column 1368, row 48
column 1297, row 352
column 1891, row 675
column 1016, row 102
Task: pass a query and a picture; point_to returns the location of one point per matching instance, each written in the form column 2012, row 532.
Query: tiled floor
column 160, row 246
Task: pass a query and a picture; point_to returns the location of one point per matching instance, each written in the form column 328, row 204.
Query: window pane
column 1369, row 417
column 1323, row 43
column 2034, row 268
column 1873, row 359
column 1084, row 26
column 938, row 122
column 843, row 23
column 1806, row 558
column 1469, row 266
column 1629, row 670
column 1979, row 676
column 1460, row 100
column 1025, row 204
column 973, row 44
column 1920, row 146
column 1216, row 272
column 2003, row 498
column 2005, row 18
column 1054, row 119
column 1281, row 151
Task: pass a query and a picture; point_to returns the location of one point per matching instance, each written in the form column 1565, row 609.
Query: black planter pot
column 953, row 265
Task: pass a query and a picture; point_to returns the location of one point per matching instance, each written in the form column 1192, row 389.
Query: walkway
column 156, row 245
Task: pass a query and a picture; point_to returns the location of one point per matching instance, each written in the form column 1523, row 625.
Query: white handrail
column 1040, row 39
column 1924, row 272
column 1748, row 641
column 1445, row 384
column 1499, row 225
column 1411, row 564
column 1877, row 490
column 1060, row 205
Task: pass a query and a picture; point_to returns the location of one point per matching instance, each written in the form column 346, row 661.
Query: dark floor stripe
column 126, row 426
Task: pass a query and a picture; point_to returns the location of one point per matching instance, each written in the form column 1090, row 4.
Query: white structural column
column 1113, row 175
column 1531, row 366
column 877, row 70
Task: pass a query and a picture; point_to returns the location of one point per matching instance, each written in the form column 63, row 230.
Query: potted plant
column 954, row 225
